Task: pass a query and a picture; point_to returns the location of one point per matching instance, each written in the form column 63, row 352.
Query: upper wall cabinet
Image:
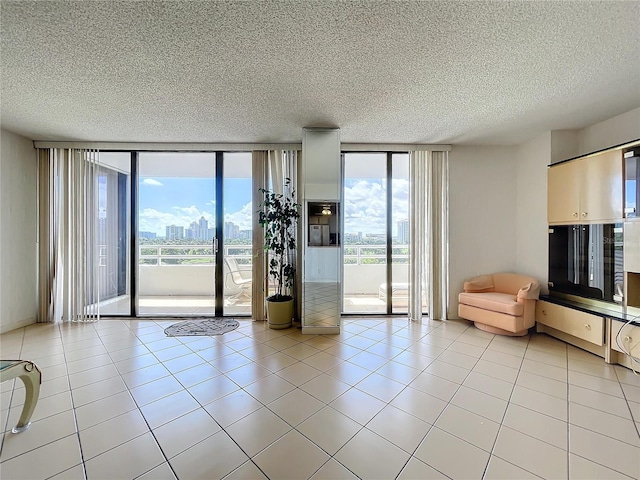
column 586, row 190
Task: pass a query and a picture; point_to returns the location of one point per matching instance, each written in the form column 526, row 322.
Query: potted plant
column 279, row 215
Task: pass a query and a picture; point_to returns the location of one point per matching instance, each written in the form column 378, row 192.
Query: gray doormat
column 209, row 326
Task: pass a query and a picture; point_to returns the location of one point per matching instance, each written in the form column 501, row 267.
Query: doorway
column 376, row 233
column 194, row 233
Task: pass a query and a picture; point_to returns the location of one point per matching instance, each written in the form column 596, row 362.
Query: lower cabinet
column 590, row 332
column 625, row 339
column 584, row 326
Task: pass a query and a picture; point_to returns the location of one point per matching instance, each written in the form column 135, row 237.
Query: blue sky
column 180, row 201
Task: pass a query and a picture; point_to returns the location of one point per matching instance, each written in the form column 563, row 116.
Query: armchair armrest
column 530, row 291
column 482, row 283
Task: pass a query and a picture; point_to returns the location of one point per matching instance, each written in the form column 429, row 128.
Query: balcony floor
column 203, row 305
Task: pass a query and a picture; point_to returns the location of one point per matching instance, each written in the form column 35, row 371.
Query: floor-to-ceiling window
column 194, row 233
column 376, row 202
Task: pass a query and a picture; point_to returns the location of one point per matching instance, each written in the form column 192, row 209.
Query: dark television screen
column 586, row 261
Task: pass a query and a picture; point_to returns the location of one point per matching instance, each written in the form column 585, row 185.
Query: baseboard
column 15, row 325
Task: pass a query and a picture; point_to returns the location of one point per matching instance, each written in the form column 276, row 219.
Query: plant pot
column 279, row 314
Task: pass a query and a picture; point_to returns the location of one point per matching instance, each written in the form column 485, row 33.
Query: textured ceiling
column 259, row 71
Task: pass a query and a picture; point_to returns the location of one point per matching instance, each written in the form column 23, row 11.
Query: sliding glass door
column 376, row 226
column 112, row 291
column 191, row 225
column 237, row 236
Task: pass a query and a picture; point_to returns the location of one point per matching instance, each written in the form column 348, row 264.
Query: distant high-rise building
column 174, row 232
column 192, row 231
column 403, row 232
column 147, row 234
column 203, row 228
column 231, row 230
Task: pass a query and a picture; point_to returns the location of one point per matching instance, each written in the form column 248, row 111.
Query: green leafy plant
column 278, row 216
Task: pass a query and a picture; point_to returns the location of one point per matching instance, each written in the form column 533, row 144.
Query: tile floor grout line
column 495, row 440
column 413, row 339
column 145, row 421
column 627, row 400
column 73, row 409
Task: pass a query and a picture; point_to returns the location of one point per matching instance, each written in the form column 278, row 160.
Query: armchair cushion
column 531, row 291
column 496, row 302
column 483, row 283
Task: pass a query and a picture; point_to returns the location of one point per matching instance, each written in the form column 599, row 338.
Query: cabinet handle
column 544, row 312
column 575, row 214
column 627, row 339
column 587, row 326
column 584, row 214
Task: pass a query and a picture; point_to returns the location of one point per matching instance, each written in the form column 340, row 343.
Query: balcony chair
column 235, row 283
column 501, row 303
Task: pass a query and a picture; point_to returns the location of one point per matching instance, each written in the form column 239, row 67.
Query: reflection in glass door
column 237, row 236
column 112, row 234
column 176, row 230
column 400, row 232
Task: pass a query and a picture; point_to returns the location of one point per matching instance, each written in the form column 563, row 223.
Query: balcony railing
column 189, row 269
column 191, row 254
column 203, row 254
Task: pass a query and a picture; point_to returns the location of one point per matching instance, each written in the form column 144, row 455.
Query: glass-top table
column 30, row 375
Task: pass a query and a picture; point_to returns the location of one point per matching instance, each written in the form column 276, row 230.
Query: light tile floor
column 384, row 399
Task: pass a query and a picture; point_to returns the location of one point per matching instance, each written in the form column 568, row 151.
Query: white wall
column 482, row 214
column 18, row 194
column 532, row 249
column 615, row 131
column 565, row 144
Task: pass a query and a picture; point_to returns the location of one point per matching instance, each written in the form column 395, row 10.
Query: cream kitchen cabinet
column 586, row 190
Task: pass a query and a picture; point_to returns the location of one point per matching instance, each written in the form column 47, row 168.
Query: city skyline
column 182, row 202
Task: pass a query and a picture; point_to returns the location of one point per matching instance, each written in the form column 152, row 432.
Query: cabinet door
column 601, row 190
column 563, row 199
column 629, row 339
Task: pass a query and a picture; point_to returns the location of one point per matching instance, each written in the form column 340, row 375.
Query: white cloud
column 191, row 212
column 364, row 209
column 365, row 206
column 152, row 182
column 241, row 218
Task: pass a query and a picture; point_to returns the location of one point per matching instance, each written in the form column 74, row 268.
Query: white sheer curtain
column 283, row 166
column 68, row 285
column 270, row 169
column 259, row 270
column 429, row 235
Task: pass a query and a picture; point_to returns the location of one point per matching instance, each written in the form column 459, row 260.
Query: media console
column 592, row 327
column 594, row 254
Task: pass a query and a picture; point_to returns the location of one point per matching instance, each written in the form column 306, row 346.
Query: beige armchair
column 502, row 303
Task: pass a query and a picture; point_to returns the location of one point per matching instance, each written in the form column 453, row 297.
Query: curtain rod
column 236, row 147
column 393, row 147
column 175, row 147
